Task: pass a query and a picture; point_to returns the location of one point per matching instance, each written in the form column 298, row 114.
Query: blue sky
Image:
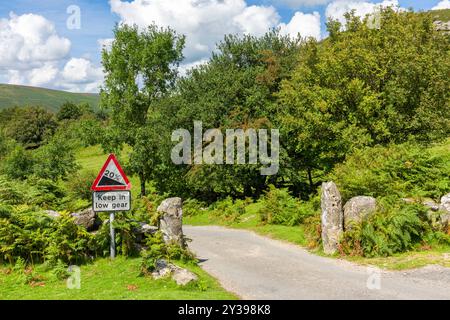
column 99, row 17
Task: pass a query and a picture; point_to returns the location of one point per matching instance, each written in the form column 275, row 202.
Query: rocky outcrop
column 143, row 230
column 357, row 209
column 171, row 221
column 181, row 276
column 86, row 219
column 332, row 217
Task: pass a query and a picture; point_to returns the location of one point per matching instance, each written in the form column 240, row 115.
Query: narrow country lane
column 255, row 267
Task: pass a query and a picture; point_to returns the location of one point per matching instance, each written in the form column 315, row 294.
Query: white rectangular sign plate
column 111, row 201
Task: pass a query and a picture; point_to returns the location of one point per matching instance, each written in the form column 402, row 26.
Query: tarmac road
column 256, row 268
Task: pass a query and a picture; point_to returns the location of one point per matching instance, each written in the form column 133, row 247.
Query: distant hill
column 12, row 95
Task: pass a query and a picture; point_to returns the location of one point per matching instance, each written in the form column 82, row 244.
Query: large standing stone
column 357, row 209
column 332, row 217
column 171, row 221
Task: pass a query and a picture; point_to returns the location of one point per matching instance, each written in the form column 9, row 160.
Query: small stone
column 183, row 276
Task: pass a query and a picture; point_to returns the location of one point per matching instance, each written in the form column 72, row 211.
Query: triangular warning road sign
column 111, row 177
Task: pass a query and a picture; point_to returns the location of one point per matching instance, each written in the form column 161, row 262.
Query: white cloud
column 32, row 53
column 302, row 3
column 256, row 20
column 28, row 41
column 80, row 74
column 205, row 22
column 337, row 9
column 308, row 25
column 444, row 4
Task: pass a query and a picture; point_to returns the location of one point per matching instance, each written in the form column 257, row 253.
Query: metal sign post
column 111, row 193
column 112, row 232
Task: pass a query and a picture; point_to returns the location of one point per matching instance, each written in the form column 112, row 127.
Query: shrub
column 31, row 235
column 193, row 207
column 30, row 126
column 228, row 209
column 45, row 193
column 403, row 170
column 158, row 249
column 395, row 227
column 79, row 185
column 56, row 159
column 18, row 164
column 279, row 207
column 10, row 191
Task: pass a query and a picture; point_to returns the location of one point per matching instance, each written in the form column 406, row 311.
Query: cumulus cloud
column 28, row 41
column 308, row 25
column 337, row 9
column 205, row 22
column 444, row 4
column 32, row 53
column 80, row 74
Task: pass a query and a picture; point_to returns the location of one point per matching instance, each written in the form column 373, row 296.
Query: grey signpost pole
column 113, row 237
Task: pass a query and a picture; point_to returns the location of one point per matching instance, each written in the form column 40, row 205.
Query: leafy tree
column 69, row 111
column 234, row 90
column 140, row 69
column 365, row 86
column 30, row 126
column 56, row 159
column 18, row 164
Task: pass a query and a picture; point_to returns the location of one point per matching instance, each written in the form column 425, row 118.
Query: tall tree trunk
column 142, row 179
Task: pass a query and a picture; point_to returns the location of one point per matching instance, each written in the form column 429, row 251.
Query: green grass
column 112, row 280
column 11, row 96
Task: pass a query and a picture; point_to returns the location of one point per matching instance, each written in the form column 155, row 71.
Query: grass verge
column 112, row 280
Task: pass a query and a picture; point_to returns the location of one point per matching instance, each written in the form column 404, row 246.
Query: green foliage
column 60, row 270
column 79, row 185
column 157, row 249
column 145, row 209
column 69, row 111
column 406, row 170
column 279, row 207
column 18, row 164
column 29, row 126
column 395, row 227
column 34, row 237
column 229, row 210
column 366, row 86
column 10, row 191
column 193, row 207
column 56, row 159
column 140, row 69
column 234, row 90
column 125, row 237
